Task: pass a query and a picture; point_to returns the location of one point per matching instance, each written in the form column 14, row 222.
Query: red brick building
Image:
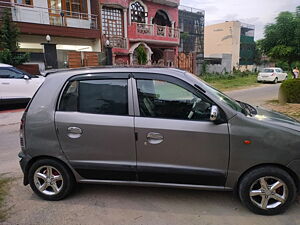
column 153, row 24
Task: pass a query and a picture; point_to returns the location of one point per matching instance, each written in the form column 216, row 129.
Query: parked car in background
column 17, row 86
column 156, row 127
column 272, row 75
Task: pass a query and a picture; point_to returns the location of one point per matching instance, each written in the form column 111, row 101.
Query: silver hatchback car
column 156, row 127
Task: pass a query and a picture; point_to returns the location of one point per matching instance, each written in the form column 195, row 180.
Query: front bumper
column 295, row 167
column 24, row 162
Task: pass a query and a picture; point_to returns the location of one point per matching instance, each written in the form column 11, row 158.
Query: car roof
column 273, row 68
column 116, row 69
column 5, row 65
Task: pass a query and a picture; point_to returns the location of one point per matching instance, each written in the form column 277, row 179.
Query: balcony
column 118, row 42
column 153, row 33
column 172, row 3
column 48, row 16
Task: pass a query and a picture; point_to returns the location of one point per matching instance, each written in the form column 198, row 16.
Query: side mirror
column 26, row 77
column 214, row 113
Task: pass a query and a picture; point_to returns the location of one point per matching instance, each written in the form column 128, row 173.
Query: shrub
column 290, row 91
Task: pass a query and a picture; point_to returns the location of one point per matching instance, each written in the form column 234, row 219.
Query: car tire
column 270, row 174
column 275, row 81
column 51, row 179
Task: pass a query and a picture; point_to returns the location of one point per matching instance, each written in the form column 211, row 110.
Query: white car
column 272, row 75
column 17, row 86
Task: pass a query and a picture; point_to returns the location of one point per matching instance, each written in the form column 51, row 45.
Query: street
column 120, row 205
column 256, row 96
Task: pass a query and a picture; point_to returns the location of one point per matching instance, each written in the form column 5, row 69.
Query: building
column 231, row 37
column 191, row 25
column 73, row 25
column 152, row 24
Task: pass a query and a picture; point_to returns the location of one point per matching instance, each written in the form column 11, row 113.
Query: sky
column 255, row 12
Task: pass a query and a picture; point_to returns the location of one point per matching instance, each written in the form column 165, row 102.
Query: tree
column 141, row 55
column 9, row 34
column 257, row 53
column 282, row 39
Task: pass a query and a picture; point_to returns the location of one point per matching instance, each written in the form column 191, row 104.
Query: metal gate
column 186, row 62
column 81, row 59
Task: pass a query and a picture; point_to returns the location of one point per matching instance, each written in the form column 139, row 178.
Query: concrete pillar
column 125, row 22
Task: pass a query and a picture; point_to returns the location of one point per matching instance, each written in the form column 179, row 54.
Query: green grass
column 3, row 192
column 230, row 82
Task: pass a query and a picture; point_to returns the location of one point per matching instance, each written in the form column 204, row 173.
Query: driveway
column 123, row 205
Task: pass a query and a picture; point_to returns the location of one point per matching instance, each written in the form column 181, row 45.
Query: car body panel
column 18, row 89
column 171, row 160
column 270, row 143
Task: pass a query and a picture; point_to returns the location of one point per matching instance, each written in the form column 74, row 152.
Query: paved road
column 258, row 95
column 121, row 205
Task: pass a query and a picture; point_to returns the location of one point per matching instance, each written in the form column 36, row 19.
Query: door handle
column 74, row 132
column 155, row 138
column 5, row 83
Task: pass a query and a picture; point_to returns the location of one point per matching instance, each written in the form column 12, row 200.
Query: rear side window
column 109, row 97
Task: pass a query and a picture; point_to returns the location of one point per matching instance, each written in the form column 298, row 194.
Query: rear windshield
column 268, row 71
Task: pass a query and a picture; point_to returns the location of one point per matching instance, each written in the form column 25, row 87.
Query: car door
column 13, row 84
column 176, row 142
column 95, row 126
column 278, row 74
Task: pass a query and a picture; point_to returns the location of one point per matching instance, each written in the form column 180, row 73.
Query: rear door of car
column 174, row 143
column 95, row 126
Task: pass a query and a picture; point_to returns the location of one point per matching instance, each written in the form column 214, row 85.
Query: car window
column 268, row 71
column 161, row 99
column 278, row 70
column 8, row 73
column 108, row 97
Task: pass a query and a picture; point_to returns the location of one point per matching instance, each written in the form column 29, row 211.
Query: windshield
column 268, row 71
column 222, row 97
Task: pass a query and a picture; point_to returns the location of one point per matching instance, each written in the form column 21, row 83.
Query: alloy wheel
column 268, row 192
column 48, row 180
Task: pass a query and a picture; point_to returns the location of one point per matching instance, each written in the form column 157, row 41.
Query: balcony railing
column 49, row 16
column 118, row 42
column 156, row 30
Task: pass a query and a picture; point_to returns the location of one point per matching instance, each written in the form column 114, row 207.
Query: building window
column 76, row 7
column 24, row 2
column 112, row 22
column 138, row 13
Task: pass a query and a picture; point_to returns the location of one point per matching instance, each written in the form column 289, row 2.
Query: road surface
column 256, row 96
column 124, row 205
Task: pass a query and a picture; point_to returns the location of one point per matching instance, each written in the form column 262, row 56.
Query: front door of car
column 13, row 84
column 95, row 126
column 176, row 141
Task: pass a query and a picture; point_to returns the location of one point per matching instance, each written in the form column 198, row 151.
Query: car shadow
column 156, row 199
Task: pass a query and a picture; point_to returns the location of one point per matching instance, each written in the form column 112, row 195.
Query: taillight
column 273, row 74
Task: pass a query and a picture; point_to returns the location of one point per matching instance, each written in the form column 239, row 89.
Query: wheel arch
column 285, row 168
column 35, row 159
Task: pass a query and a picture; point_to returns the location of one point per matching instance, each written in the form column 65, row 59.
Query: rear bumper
column 267, row 79
column 11, row 101
column 24, row 162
